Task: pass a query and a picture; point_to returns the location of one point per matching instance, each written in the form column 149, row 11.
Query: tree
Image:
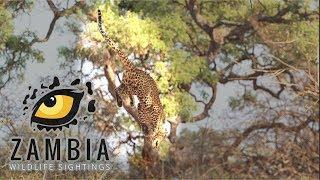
column 186, row 42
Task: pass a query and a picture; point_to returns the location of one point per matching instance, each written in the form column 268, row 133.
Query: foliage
column 138, row 33
column 15, row 50
column 131, row 32
column 181, row 43
column 300, row 38
column 6, row 27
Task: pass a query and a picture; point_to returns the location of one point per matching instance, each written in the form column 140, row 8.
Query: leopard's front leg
column 122, row 92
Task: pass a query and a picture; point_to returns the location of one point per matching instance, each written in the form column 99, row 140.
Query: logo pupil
column 50, row 102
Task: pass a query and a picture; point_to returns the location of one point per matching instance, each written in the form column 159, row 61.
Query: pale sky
column 38, row 21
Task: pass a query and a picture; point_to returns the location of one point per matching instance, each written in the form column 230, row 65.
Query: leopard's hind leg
column 143, row 118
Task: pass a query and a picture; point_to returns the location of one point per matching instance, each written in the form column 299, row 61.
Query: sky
column 38, row 21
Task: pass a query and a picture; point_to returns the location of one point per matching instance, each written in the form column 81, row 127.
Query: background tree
column 266, row 48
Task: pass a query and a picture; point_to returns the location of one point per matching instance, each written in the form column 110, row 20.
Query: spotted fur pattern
column 136, row 82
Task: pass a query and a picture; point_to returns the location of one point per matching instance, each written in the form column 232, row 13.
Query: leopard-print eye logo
column 57, row 107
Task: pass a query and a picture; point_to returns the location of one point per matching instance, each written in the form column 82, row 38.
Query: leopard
column 136, row 82
column 156, row 133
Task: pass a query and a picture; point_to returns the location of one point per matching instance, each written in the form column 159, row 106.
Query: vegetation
column 268, row 49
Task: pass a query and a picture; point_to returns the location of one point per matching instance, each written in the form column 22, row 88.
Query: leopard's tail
column 123, row 58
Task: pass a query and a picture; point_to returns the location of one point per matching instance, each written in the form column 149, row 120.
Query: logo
column 53, row 107
column 56, row 106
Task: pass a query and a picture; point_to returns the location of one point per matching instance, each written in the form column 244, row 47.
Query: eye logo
column 58, row 108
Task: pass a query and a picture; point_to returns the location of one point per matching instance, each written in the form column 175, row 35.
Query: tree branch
column 276, row 95
column 249, row 130
column 56, row 15
column 207, row 107
column 253, row 77
column 195, row 98
column 205, row 25
column 110, row 75
column 279, row 17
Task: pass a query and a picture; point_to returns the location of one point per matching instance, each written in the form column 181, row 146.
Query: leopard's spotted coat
column 136, row 82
